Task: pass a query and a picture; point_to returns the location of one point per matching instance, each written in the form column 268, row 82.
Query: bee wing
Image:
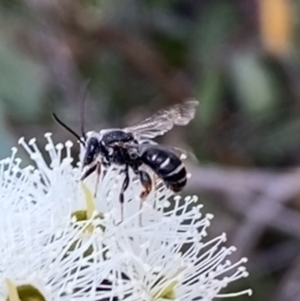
column 164, row 120
column 184, row 154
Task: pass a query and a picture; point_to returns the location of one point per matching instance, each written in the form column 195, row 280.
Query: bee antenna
column 61, row 123
column 82, row 108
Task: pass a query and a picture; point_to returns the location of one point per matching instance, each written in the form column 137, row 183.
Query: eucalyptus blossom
column 61, row 239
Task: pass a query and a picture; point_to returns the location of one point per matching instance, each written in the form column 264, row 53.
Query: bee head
column 91, row 151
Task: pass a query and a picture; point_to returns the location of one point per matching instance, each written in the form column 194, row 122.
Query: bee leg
column 123, row 189
column 155, row 181
column 147, row 184
column 88, row 172
column 98, row 171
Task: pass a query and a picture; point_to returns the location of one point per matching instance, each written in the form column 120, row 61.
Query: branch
column 259, row 195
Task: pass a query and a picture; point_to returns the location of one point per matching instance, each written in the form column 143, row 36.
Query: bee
column 133, row 148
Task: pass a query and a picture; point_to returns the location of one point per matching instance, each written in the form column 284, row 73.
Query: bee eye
column 92, row 150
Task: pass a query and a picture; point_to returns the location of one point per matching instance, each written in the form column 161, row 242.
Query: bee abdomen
column 167, row 166
column 177, row 178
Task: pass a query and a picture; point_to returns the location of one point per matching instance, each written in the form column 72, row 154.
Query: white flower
column 56, row 263
column 174, row 261
column 40, row 255
column 157, row 252
column 60, row 268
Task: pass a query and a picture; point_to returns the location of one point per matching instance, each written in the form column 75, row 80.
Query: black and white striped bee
column 133, row 148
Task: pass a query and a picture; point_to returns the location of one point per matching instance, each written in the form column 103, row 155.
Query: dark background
column 240, row 58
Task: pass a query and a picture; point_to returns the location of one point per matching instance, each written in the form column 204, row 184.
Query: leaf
column 254, row 85
column 21, row 84
column 217, row 24
column 209, row 93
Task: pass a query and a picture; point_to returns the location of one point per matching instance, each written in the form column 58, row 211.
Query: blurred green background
column 239, row 58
